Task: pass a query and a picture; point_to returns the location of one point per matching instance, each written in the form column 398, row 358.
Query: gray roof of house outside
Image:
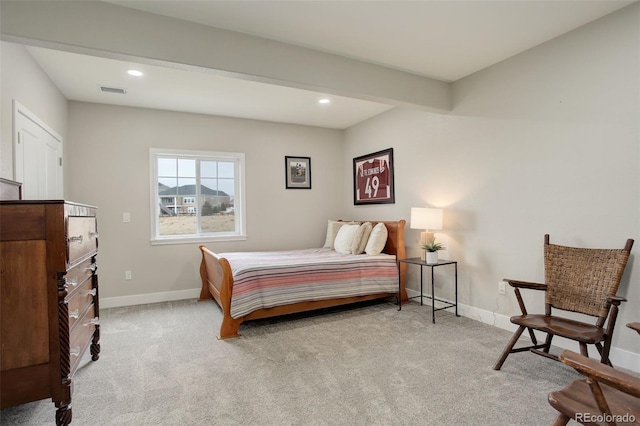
column 191, row 190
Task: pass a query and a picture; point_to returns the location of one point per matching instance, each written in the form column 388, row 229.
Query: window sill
column 196, row 239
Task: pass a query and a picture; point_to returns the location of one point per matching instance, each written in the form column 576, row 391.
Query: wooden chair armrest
column 616, row 300
column 517, row 285
column 602, row 373
column 634, row 326
column 526, row 284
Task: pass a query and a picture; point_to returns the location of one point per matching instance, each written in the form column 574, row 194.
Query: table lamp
column 428, row 219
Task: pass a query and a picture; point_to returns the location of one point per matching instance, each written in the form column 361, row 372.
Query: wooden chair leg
column 508, row 348
column 547, row 343
column 561, row 420
column 604, row 357
column 599, row 397
column 533, row 336
column 583, row 350
column 605, row 352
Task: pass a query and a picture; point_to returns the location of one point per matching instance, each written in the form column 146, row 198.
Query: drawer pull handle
column 93, row 321
column 93, row 291
column 92, row 267
column 93, row 234
column 74, row 314
column 77, row 239
column 74, row 351
column 73, row 281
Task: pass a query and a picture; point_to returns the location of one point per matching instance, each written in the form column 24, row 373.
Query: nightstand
column 447, row 304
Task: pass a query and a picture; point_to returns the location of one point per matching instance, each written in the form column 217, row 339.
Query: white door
column 37, row 157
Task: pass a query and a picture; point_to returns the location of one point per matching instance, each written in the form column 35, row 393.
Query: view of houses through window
column 196, row 195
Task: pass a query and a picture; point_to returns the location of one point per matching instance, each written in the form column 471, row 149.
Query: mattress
column 274, row 278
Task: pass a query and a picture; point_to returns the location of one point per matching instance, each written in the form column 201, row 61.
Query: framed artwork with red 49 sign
column 373, row 178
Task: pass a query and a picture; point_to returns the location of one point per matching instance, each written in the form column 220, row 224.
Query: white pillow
column 333, row 226
column 377, row 240
column 361, row 238
column 332, row 230
column 344, row 239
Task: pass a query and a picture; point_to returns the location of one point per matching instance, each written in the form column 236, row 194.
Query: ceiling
column 444, row 40
column 79, row 77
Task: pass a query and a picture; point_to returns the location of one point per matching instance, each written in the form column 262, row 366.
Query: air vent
column 118, row 90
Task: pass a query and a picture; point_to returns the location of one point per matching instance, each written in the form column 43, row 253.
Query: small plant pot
column 432, row 257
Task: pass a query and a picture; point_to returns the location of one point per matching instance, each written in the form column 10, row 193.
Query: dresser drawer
column 79, row 301
column 77, row 275
column 82, row 237
column 81, row 337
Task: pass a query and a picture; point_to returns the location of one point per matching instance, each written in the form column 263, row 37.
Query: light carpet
column 371, row 364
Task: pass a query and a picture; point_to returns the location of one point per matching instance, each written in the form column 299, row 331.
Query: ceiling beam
column 117, row 32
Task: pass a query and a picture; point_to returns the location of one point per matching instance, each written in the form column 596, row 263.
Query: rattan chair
column 578, row 280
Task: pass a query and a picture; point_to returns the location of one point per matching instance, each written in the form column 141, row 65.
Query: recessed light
column 324, row 101
column 135, row 73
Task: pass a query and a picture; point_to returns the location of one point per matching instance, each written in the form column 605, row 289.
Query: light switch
column 126, row 217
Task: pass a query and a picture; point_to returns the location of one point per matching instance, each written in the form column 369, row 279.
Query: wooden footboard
column 217, row 283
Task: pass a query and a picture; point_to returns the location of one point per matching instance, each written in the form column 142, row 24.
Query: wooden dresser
column 48, row 299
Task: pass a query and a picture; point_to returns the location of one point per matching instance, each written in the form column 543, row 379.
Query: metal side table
column 422, row 264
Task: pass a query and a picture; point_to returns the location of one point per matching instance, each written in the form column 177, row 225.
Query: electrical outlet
column 502, row 287
column 127, row 275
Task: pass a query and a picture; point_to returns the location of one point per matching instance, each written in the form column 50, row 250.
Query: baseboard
column 619, row 357
column 143, row 299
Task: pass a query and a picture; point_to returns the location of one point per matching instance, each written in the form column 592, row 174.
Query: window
column 196, row 196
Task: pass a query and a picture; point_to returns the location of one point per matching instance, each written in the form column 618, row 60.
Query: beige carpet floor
column 369, row 365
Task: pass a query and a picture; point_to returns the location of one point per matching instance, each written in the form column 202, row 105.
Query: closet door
column 37, row 157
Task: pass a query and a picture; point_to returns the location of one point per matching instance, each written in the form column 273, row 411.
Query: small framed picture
column 297, row 172
column 373, row 178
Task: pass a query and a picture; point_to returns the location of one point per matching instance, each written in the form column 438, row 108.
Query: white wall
column 108, row 166
column 22, row 79
column 545, row 142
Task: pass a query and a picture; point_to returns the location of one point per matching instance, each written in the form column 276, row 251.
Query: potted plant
column 432, row 247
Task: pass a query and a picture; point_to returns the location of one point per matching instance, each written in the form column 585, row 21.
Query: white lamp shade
column 426, row 218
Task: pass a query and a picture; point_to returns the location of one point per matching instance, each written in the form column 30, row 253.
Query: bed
column 336, row 279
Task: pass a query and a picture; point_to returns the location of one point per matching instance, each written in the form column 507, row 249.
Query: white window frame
column 239, row 197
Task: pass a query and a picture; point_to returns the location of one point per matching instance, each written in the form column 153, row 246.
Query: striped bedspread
column 268, row 279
